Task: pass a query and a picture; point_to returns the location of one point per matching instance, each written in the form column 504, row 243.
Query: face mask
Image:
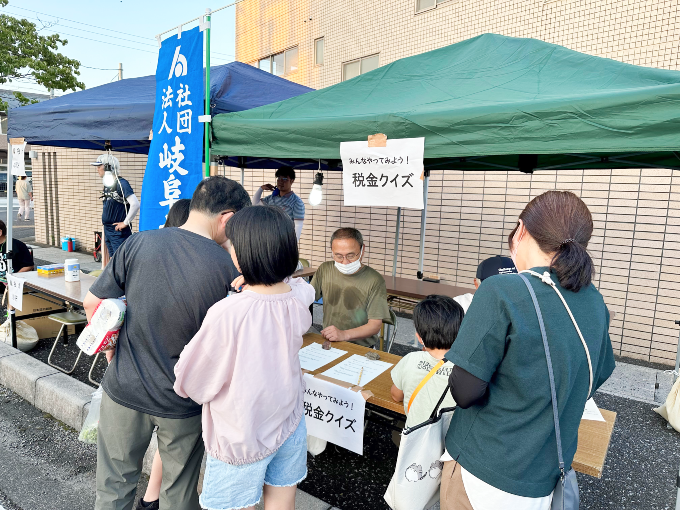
column 352, row 267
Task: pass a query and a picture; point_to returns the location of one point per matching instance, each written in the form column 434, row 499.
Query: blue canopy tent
column 122, row 111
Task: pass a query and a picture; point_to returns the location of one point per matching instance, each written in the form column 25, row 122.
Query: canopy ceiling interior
column 487, row 103
column 122, row 111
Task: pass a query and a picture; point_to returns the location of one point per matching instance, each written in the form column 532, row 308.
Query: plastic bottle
column 72, row 270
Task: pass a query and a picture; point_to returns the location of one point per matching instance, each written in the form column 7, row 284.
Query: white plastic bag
column 418, row 473
column 88, row 434
column 27, row 336
column 671, row 409
column 315, row 445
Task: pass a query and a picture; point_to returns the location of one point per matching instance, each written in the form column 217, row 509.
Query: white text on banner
column 383, row 176
column 335, row 414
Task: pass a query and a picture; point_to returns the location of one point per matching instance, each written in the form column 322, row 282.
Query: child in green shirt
column 437, row 320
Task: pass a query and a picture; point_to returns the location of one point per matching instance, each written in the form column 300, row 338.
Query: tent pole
column 396, row 242
column 206, row 135
column 423, row 222
column 8, row 242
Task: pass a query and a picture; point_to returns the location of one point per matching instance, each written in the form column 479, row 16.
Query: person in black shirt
column 120, row 203
column 168, row 292
column 22, row 260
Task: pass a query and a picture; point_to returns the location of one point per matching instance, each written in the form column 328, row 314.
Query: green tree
column 24, row 53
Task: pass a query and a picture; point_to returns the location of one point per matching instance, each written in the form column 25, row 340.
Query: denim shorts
column 227, row 487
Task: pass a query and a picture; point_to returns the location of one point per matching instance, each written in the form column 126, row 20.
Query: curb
column 68, row 400
column 44, row 387
column 51, row 391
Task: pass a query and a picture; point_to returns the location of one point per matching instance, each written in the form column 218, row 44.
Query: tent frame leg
column 423, row 224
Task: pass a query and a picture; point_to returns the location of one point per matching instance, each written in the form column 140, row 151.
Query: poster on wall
column 174, row 167
column 383, row 176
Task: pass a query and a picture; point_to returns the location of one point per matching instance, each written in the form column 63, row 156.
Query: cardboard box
column 45, row 327
column 593, row 443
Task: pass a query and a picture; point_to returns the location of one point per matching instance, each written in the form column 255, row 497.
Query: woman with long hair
column 501, row 447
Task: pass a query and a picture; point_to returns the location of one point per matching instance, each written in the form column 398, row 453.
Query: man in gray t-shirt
column 170, row 278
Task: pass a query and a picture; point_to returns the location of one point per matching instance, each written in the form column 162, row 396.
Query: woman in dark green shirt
column 501, row 442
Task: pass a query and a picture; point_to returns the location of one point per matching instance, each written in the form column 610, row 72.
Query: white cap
column 110, row 160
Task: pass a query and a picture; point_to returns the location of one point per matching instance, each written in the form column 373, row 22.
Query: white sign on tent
column 383, row 176
column 18, row 167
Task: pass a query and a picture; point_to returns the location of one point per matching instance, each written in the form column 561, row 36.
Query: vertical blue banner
column 174, row 167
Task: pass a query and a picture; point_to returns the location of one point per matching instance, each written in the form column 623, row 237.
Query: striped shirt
column 291, row 204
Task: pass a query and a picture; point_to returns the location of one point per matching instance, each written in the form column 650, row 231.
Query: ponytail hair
column 561, row 224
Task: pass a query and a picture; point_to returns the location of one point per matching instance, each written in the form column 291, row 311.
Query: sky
column 102, row 33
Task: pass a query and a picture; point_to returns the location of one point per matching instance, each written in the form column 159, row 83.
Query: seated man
column 22, row 259
column 486, row 268
column 354, row 295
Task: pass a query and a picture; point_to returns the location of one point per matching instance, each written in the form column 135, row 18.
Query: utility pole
column 120, row 71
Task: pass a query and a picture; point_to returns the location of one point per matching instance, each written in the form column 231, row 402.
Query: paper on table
column 348, row 370
column 313, row 357
column 591, row 412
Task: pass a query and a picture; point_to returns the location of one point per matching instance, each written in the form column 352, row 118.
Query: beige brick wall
column 636, row 243
column 66, row 189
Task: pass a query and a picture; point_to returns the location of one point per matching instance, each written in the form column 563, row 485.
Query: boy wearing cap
column 486, row 268
column 120, row 203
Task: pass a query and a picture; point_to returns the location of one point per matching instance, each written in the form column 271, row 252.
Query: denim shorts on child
column 226, row 486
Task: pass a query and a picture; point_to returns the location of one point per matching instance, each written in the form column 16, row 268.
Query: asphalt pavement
column 43, row 466
column 24, row 230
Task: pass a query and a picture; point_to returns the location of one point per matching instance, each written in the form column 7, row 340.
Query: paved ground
column 24, row 230
column 43, row 466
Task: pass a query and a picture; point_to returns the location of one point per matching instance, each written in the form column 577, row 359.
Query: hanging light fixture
column 316, row 194
column 109, row 179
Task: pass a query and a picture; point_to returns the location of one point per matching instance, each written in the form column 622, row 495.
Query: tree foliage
column 25, row 54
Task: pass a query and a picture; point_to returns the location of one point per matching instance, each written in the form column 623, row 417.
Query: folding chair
column 388, row 332
column 66, row 319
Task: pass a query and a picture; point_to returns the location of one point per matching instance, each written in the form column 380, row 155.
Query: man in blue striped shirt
column 284, row 197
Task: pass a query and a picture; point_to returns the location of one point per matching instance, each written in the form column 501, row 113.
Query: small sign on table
column 15, row 289
column 335, row 414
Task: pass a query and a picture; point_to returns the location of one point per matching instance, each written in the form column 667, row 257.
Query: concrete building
column 636, row 244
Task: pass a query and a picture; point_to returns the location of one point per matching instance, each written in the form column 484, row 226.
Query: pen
column 361, row 372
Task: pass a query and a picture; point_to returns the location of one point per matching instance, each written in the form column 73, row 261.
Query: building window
column 282, row 63
column 266, row 64
column 318, row 52
column 360, row 66
column 426, row 5
column 291, row 61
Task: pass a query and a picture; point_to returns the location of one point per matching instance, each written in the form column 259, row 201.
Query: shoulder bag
column 565, row 494
column 417, row 475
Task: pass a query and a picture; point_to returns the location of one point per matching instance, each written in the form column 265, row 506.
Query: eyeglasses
column 350, row 257
column 283, row 179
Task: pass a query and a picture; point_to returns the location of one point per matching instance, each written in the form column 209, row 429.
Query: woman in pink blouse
column 243, row 367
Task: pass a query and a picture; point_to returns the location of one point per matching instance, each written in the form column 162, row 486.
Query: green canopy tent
column 488, row 103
